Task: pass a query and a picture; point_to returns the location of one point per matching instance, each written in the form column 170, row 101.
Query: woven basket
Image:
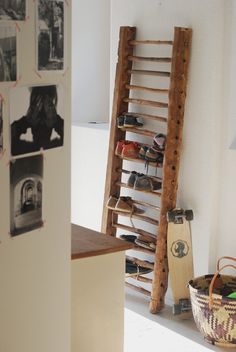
column 214, row 313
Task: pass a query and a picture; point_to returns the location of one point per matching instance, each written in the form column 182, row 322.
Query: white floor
column 145, row 332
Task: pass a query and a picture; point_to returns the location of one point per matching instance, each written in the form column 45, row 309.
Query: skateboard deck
column 180, row 259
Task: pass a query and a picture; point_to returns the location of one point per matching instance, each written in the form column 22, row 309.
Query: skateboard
column 180, row 259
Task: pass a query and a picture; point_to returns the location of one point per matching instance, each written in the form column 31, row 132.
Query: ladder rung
column 138, row 217
column 156, row 42
column 149, row 59
column 143, row 250
column 139, row 131
column 140, row 278
column 128, row 172
column 150, row 73
column 156, row 104
column 147, row 116
column 149, row 192
column 138, row 288
column 143, row 263
column 147, row 89
column 141, row 161
column 141, row 232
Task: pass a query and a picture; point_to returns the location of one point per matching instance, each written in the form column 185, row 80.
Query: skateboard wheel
column 189, row 215
column 177, row 309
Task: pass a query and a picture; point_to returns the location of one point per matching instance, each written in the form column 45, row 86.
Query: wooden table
column 97, row 291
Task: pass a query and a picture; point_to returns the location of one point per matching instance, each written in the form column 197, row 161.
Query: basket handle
column 213, row 281
column 225, row 257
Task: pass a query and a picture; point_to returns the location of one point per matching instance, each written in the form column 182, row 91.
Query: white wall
column 90, row 60
column 89, row 160
column 227, row 156
column 35, row 266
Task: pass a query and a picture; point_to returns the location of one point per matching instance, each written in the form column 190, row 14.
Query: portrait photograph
column 36, row 118
column 13, row 10
column 50, row 35
column 7, row 53
column 26, row 179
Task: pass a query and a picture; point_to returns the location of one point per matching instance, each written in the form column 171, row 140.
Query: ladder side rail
column 122, row 78
column 177, row 95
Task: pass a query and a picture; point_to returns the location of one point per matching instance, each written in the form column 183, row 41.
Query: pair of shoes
column 147, row 245
column 128, row 121
column 127, row 149
column 150, row 155
column 159, row 142
column 123, row 204
column 142, row 182
column 132, row 269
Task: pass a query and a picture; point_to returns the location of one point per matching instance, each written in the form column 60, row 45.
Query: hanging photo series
column 26, row 179
column 50, row 35
column 36, row 119
column 7, row 53
column 13, row 10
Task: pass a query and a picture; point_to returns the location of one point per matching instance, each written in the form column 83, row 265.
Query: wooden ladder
column 122, row 103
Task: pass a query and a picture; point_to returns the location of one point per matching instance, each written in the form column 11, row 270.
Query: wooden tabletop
column 87, row 243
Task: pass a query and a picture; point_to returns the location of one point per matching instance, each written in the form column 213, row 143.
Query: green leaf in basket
column 232, row 295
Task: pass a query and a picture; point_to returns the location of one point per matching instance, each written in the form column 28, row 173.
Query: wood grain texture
column 150, row 73
column 155, row 104
column 155, row 42
column 177, row 96
column 138, row 289
column 149, row 59
column 87, row 243
column 147, row 89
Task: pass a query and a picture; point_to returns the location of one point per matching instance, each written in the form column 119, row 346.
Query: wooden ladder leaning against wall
column 122, row 103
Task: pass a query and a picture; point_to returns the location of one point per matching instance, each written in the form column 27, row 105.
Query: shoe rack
column 123, row 102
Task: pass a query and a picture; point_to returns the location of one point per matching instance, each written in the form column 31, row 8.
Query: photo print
column 7, row 53
column 12, row 10
column 36, row 118
column 26, row 178
column 50, row 35
column 1, row 128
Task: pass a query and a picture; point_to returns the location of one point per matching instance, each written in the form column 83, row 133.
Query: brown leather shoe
column 126, row 205
column 111, row 203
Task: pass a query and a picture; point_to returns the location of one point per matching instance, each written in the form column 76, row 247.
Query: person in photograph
column 4, row 68
column 41, row 119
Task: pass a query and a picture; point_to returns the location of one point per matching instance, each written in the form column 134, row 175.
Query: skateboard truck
column 176, row 215
column 183, row 306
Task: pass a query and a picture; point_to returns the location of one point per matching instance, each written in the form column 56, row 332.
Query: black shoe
column 128, row 238
column 120, row 121
column 131, row 121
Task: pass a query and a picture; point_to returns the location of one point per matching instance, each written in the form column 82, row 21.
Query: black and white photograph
column 1, row 128
column 50, row 35
column 36, row 118
column 7, row 53
column 13, row 10
column 26, row 180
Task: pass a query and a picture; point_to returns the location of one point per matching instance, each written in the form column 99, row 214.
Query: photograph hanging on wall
column 13, row 10
column 50, row 35
column 7, row 53
column 36, row 118
column 26, row 179
column 1, row 128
